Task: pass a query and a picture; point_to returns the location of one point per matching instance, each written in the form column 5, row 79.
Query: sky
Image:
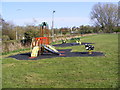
column 67, row 14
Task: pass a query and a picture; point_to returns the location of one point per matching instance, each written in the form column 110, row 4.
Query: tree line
column 105, row 19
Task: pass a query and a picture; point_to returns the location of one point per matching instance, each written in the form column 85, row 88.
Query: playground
column 41, row 48
column 60, row 45
column 85, row 62
column 67, row 72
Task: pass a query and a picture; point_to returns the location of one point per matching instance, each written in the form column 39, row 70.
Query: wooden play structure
column 44, row 33
column 41, row 44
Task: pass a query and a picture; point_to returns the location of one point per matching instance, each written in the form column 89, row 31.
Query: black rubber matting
column 70, row 44
column 64, row 53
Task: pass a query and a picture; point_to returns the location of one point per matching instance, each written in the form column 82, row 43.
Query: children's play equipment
column 42, row 49
column 90, row 48
column 63, row 41
column 77, row 40
column 41, row 44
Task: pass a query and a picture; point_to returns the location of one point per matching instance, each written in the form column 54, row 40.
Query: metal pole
column 53, row 25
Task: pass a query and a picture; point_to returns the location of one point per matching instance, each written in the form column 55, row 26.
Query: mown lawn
column 69, row 72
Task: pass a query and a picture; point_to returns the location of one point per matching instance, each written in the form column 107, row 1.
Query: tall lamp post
column 16, row 27
column 53, row 25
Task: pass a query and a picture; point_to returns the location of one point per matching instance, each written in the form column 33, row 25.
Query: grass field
column 69, row 72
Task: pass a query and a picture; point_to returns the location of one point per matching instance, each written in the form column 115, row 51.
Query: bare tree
column 105, row 16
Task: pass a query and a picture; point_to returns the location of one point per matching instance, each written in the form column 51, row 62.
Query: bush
column 5, row 38
column 11, row 45
column 31, row 34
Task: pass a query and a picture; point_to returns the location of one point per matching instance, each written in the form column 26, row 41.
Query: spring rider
column 90, row 48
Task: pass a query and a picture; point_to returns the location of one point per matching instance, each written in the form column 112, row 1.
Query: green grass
column 19, row 50
column 69, row 72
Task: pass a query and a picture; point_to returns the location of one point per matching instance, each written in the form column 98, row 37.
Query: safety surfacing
column 64, row 53
column 70, row 44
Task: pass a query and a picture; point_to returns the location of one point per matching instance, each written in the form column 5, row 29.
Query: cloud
column 58, row 21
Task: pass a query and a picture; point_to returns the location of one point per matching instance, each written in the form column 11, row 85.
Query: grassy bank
column 69, row 72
